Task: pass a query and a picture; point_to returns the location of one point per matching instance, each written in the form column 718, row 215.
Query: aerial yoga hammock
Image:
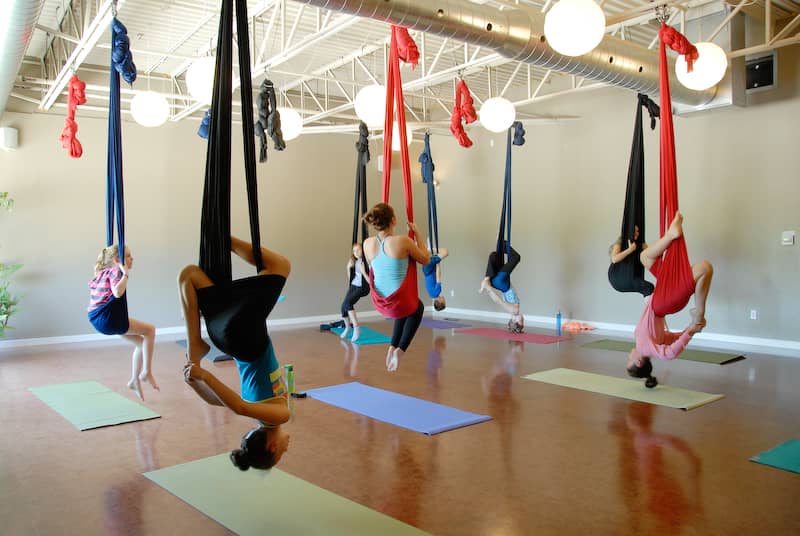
column 235, row 311
column 503, row 260
column 627, row 275
column 69, row 136
column 432, row 271
column 675, row 282
column 462, row 110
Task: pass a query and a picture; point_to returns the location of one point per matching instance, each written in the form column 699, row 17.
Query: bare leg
column 703, row 272
column 147, row 332
column 190, row 279
column 274, row 262
column 136, row 364
column 654, row 251
column 354, row 320
column 394, row 361
column 390, row 358
column 344, row 333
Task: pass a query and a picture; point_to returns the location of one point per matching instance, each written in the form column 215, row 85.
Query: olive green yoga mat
column 718, row 358
column 785, row 456
column 270, row 502
column 90, row 405
column 662, row 395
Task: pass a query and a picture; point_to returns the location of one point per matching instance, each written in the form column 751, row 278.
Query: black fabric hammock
column 360, row 202
column 235, row 311
column 628, row 274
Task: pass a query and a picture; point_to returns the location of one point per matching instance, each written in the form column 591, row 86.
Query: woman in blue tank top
column 388, row 256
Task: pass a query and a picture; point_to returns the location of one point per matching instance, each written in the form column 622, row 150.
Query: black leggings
column 353, row 295
column 493, row 267
column 405, row 328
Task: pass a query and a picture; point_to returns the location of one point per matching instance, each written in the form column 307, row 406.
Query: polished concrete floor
column 551, row 461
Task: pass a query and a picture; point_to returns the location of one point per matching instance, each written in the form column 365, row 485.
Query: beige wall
column 739, row 188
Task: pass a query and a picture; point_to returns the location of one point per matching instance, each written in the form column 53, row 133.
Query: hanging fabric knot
column 362, row 145
column 678, row 42
column 77, row 96
column 519, row 133
column 121, row 56
column 205, row 124
column 463, row 109
column 406, row 47
column 269, row 119
column 652, row 109
column 426, row 167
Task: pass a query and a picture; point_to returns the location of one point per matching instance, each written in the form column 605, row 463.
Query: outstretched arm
column 274, row 262
column 618, row 254
column 414, row 247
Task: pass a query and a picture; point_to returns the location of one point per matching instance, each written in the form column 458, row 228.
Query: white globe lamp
column 574, row 27
column 200, row 79
column 370, row 105
column 708, row 69
column 396, row 136
column 149, row 109
column 291, row 123
column 497, row 114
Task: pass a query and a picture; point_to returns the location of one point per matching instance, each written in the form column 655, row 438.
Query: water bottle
column 558, row 323
column 289, row 374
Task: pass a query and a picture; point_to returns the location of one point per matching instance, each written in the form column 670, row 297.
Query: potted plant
column 8, row 302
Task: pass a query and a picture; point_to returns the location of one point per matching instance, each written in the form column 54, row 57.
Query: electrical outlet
column 452, row 293
column 753, row 314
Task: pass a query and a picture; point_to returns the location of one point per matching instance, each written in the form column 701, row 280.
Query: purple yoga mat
column 442, row 324
column 520, row 337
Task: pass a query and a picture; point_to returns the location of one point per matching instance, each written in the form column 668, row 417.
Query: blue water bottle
column 558, row 323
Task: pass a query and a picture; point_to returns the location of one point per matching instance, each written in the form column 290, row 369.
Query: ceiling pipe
column 17, row 21
column 518, row 34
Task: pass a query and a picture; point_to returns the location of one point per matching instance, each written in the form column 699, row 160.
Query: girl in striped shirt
column 108, row 313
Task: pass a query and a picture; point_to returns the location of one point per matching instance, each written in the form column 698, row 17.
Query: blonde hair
column 106, row 258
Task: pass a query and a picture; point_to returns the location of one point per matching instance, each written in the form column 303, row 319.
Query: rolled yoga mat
column 495, row 333
column 435, row 323
column 785, row 456
column 401, row 410
column 718, row 358
column 662, row 395
column 367, row 336
column 89, row 404
column 270, row 502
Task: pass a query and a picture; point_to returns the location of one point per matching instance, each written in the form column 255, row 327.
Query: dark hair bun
column 380, row 216
column 239, row 459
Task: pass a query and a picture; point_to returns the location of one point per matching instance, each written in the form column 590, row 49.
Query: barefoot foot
column 676, row 227
column 136, row 387
column 148, row 377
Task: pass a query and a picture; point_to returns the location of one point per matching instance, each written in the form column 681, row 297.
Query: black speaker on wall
column 761, row 72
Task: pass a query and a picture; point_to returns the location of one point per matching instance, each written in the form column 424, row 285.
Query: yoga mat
column 434, row 323
column 785, row 456
column 270, row 502
column 662, row 395
column 718, row 358
column 401, row 410
column 367, row 336
column 90, row 405
column 215, row 354
column 495, row 333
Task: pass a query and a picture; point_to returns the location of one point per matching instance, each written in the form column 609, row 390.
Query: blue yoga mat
column 401, row 410
column 367, row 336
column 785, row 456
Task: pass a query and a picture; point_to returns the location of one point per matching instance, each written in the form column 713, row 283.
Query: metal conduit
column 17, row 21
column 518, row 34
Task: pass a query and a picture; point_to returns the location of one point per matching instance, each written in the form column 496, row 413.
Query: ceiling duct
column 17, row 21
column 518, row 34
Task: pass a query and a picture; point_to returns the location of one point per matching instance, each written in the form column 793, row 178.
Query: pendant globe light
column 707, row 70
column 497, row 114
column 396, row 136
column 291, row 123
column 574, row 27
column 149, row 109
column 200, row 79
column 370, row 105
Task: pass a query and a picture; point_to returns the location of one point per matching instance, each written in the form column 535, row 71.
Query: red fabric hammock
column 405, row 299
column 465, row 110
column 69, row 139
column 675, row 282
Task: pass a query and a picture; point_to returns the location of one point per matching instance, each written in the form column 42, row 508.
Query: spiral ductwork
column 16, row 28
column 518, row 34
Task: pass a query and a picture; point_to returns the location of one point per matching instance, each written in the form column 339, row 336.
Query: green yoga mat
column 90, row 405
column 367, row 336
column 662, row 395
column 270, row 502
column 785, row 456
column 718, row 358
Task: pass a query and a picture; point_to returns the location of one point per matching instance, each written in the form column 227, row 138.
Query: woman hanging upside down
column 623, row 276
column 108, row 313
column 389, row 255
column 433, row 278
column 359, row 287
column 236, row 321
column 497, row 284
column 653, row 339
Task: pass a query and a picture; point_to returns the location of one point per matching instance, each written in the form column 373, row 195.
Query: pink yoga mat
column 520, row 337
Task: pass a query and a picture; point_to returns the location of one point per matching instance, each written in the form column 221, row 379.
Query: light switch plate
column 787, row 238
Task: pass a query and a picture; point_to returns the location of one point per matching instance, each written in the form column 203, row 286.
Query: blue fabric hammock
column 427, row 167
